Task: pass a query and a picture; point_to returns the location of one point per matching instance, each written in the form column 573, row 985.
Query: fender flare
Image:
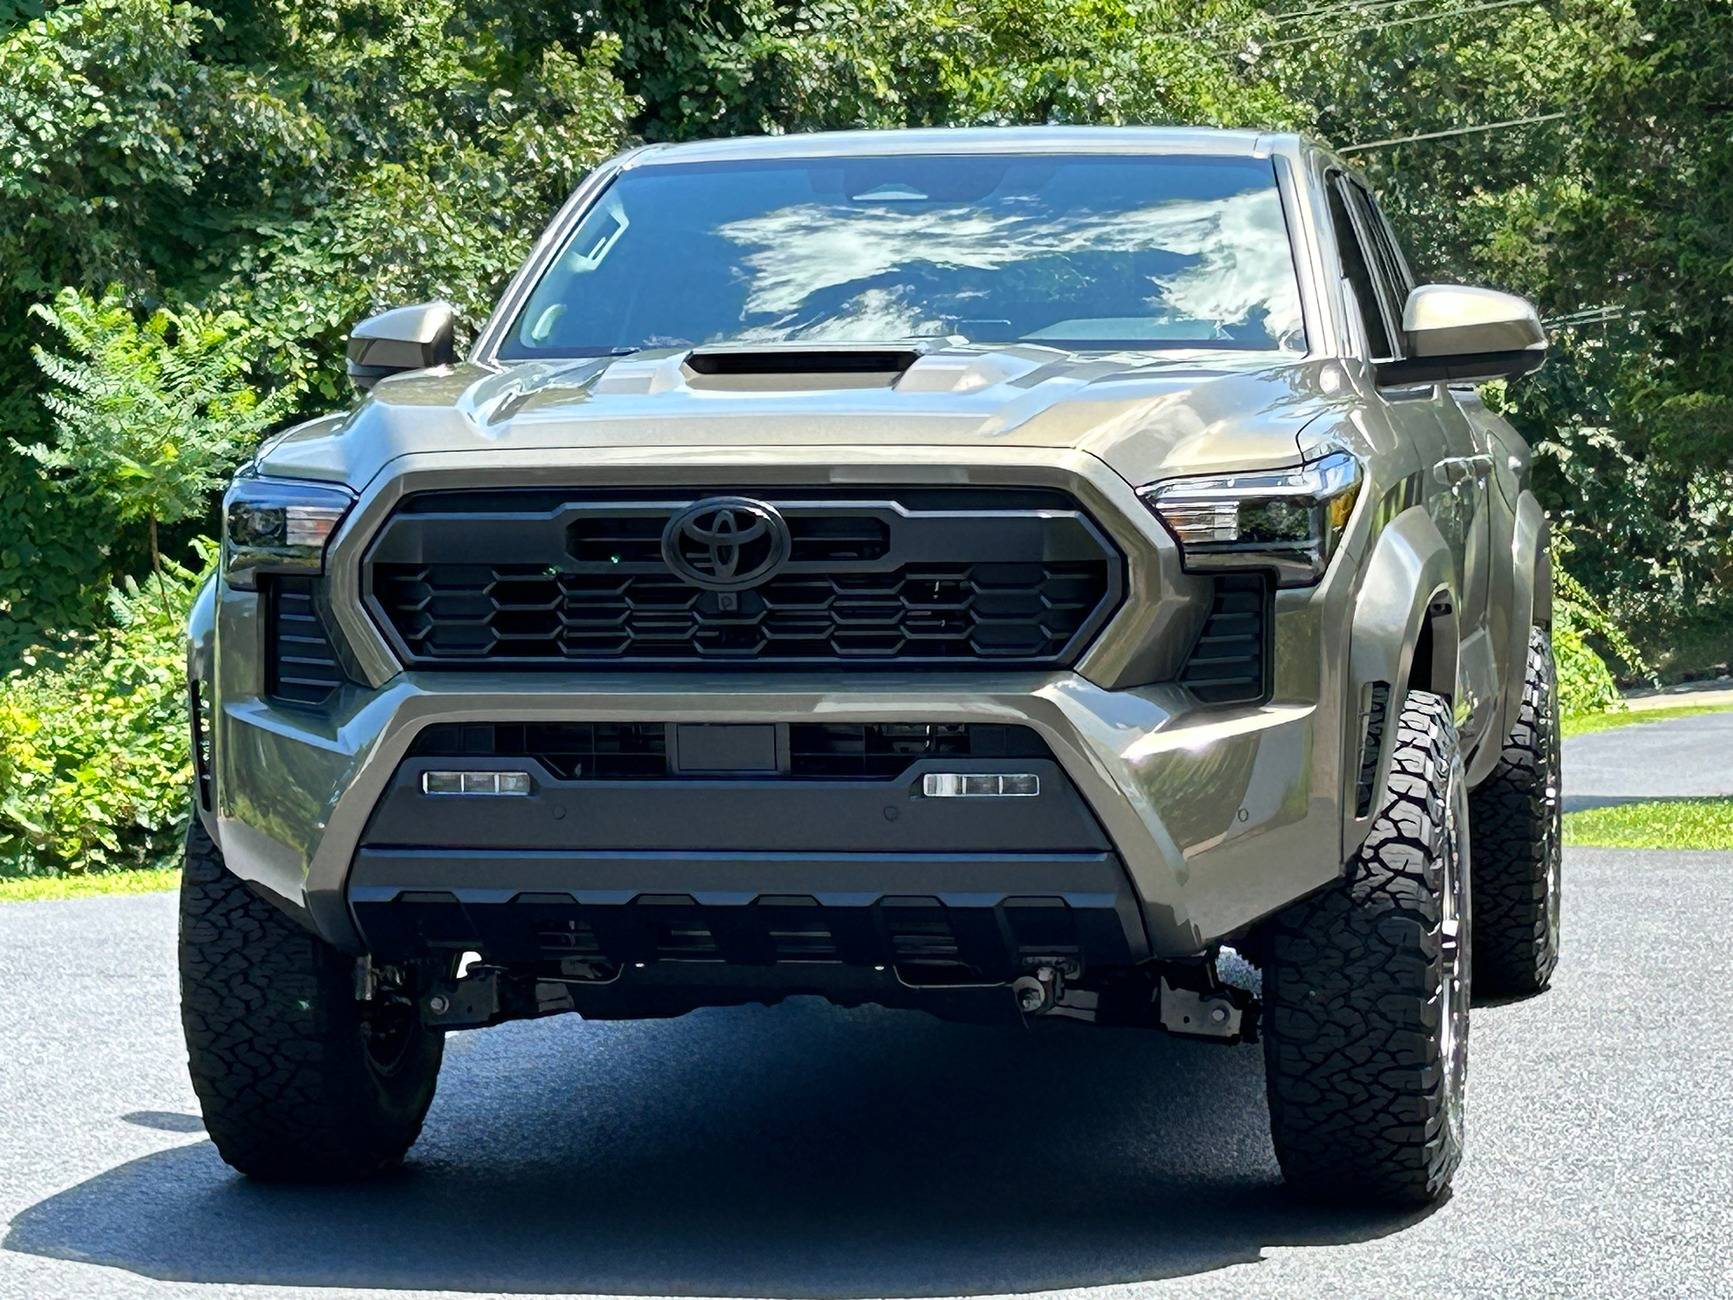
column 1409, row 570
column 1531, row 600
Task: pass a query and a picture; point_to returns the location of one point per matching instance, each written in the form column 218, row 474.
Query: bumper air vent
column 198, row 713
column 1229, row 664
column 301, row 662
column 634, row 751
column 1371, row 745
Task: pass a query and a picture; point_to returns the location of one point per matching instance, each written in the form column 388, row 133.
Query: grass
column 1581, row 724
column 1660, row 824
column 32, row 889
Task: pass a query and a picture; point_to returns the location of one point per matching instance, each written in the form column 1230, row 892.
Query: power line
column 1591, row 316
column 1214, row 27
column 1340, row 7
column 1400, row 22
column 1459, row 130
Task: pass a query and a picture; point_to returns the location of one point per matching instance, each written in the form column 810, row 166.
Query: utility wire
column 1213, row 28
column 1331, row 10
column 1399, row 22
column 1459, row 130
column 1590, row 316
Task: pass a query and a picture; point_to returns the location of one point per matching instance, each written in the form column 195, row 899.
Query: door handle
column 1455, row 470
column 1452, row 470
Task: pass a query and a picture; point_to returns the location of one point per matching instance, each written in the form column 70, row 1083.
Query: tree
column 151, row 416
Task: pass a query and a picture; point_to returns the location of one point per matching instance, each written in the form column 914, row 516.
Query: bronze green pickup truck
column 1051, row 576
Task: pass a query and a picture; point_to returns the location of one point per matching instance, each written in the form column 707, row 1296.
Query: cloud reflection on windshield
column 797, row 258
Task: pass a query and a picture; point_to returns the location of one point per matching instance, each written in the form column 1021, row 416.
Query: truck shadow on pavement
column 791, row 1151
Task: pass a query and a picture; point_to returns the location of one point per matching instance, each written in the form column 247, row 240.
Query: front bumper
column 1216, row 816
column 1219, row 816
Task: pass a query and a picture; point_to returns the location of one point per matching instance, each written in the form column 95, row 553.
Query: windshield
column 1095, row 252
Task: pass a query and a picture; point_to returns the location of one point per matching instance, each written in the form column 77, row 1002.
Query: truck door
column 1455, row 465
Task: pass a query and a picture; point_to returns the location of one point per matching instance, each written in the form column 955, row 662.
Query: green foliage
column 298, row 165
column 1618, row 203
column 762, row 66
column 150, row 417
column 1586, row 683
column 55, row 558
column 94, row 769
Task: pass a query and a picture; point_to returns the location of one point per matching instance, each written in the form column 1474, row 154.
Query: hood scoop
column 802, row 369
column 797, row 368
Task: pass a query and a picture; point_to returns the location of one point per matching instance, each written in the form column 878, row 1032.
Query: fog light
column 973, row 785
column 475, row 783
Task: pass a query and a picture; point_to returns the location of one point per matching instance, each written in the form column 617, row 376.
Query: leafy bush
column 94, row 769
column 1586, row 684
column 151, row 417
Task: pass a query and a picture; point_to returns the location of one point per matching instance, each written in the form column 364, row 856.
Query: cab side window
column 1372, row 264
column 1392, row 267
column 1357, row 271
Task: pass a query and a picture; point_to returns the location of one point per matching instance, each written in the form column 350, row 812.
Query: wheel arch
column 1405, row 636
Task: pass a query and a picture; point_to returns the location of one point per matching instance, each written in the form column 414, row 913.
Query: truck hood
column 1147, row 415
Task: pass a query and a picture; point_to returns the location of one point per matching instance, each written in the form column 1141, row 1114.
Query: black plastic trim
column 877, row 578
column 1229, row 663
column 977, row 916
column 734, row 813
column 197, row 709
column 302, row 666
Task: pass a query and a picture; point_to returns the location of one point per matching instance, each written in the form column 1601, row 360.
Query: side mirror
column 1458, row 334
column 404, row 338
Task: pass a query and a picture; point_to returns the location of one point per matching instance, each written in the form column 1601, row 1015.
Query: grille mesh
column 1017, row 578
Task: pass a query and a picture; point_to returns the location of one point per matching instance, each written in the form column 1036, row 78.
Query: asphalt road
column 806, row 1151
column 1680, row 758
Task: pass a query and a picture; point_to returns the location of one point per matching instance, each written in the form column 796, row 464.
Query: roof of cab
column 987, row 139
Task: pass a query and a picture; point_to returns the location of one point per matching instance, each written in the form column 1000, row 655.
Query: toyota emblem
column 726, row 543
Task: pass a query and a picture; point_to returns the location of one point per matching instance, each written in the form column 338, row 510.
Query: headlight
column 278, row 526
column 1289, row 520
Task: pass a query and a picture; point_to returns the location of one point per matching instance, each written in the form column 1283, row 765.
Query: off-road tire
column 1518, row 868
column 277, row 1043
column 1365, row 1028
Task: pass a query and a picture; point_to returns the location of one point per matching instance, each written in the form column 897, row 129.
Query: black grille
column 1229, row 664
column 302, row 665
column 630, row 751
column 904, row 577
column 885, row 749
